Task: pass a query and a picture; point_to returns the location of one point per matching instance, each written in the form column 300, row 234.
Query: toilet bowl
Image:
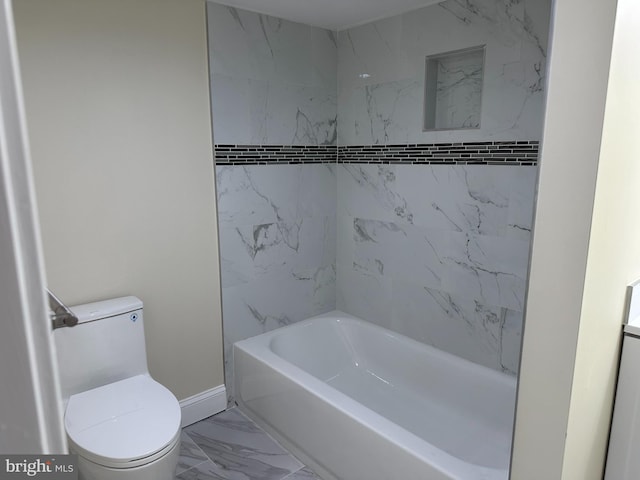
column 122, row 424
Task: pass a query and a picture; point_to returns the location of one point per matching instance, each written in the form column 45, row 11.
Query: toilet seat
column 124, row 424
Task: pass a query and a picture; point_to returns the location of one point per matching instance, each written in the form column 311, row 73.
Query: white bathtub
column 357, row 402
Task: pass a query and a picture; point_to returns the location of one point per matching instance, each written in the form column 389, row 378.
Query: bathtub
column 355, row 401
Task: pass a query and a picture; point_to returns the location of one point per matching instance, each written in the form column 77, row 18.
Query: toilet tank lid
column 89, row 312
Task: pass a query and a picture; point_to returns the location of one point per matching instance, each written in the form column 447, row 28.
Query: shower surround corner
column 331, row 194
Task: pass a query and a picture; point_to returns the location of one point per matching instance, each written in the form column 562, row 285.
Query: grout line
column 261, row 430
column 293, row 473
column 208, row 459
column 196, row 444
column 195, row 466
column 315, row 475
column 272, row 439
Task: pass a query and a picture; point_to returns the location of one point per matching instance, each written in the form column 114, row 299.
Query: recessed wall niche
column 453, row 89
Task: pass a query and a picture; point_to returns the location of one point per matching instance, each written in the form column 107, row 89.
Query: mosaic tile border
column 468, row 153
column 519, row 153
column 274, row 154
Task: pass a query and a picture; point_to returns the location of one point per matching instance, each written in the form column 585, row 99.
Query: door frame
column 30, row 400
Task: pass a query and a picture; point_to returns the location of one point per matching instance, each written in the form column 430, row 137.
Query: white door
column 30, row 409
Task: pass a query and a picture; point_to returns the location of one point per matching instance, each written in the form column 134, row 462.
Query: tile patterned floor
column 229, row 446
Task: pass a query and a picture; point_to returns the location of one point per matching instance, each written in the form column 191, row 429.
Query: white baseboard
column 203, row 405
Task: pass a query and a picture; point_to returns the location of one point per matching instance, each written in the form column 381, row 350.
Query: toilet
column 122, row 424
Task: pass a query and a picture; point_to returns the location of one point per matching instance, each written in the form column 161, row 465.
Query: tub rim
column 259, row 348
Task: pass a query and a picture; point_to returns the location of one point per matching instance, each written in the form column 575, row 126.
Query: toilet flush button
column 133, row 317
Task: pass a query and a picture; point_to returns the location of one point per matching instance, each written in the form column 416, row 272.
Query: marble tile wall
column 273, row 85
column 458, row 90
column 273, row 82
column 277, row 232
column 382, row 66
column 438, row 253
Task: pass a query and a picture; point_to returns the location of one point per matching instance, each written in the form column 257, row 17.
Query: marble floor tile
column 204, row 471
column 303, row 474
column 238, row 450
column 190, row 454
column 208, row 470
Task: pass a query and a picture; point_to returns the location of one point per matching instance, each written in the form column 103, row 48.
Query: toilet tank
column 105, row 346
